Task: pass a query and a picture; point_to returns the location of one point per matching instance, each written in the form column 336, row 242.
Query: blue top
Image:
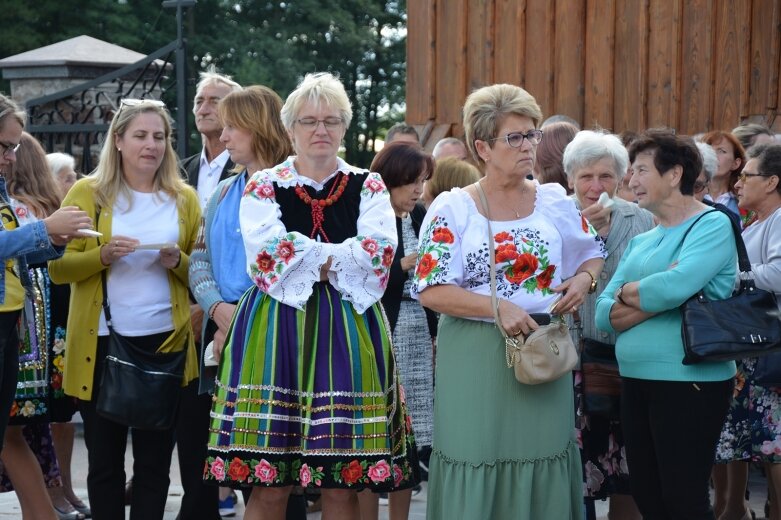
column 670, row 272
column 224, row 241
column 28, row 244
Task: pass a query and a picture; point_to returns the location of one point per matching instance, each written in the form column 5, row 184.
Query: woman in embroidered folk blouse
column 307, row 392
column 502, row 449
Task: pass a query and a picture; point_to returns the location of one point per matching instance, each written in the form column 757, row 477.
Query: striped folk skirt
column 309, row 398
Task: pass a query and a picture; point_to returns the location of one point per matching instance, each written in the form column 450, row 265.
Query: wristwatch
column 593, row 288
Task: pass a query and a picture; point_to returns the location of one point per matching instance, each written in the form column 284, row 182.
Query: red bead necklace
column 317, row 205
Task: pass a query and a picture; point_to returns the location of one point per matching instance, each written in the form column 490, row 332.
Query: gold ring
column 516, row 334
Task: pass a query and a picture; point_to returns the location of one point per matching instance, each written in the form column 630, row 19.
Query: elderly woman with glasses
column 502, row 449
column 751, row 431
column 307, row 391
column 138, row 198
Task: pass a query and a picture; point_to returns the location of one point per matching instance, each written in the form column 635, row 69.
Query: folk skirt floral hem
column 309, row 398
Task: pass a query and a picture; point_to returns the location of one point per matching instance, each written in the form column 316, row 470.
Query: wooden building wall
column 694, row 65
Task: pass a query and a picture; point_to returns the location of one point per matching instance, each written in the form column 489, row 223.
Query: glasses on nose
column 310, row 123
column 9, row 148
column 699, row 186
column 515, row 139
column 742, row 176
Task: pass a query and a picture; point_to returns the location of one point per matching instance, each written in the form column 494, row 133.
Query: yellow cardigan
column 81, row 267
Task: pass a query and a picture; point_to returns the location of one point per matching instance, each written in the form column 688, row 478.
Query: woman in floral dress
column 307, row 391
column 502, row 449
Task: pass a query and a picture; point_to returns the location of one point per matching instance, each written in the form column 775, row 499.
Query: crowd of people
column 334, row 326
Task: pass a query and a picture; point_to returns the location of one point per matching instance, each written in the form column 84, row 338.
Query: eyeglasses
column 9, row 148
column 310, row 123
column 132, row 102
column 742, row 176
column 699, row 186
column 515, row 139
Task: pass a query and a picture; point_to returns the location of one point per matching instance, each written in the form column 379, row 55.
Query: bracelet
column 213, row 310
column 620, row 291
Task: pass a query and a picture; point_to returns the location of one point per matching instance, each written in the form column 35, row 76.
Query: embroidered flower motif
column 442, row 235
column 238, row 470
column 426, row 264
column 265, row 191
column 57, row 381
column 373, row 185
column 59, row 346
column 506, row 252
column 250, row 187
column 380, row 472
column 523, row 267
column 370, row 245
column 14, row 409
column 284, row 172
column 217, row 469
column 286, row 250
column 545, row 277
column 352, row 472
column 265, row 472
column 387, row 256
column 28, row 410
column 584, row 224
column 398, row 475
column 21, row 212
column 59, row 362
column 504, row 236
column 305, row 475
column 265, row 262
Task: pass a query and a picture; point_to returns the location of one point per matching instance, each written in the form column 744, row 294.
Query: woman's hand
column 599, row 217
column 515, row 321
column 170, row 257
column 324, row 270
column 119, row 246
column 409, row 261
column 223, row 314
column 64, row 223
column 573, row 292
column 623, row 317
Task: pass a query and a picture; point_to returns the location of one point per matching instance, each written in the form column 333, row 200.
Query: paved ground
column 9, row 505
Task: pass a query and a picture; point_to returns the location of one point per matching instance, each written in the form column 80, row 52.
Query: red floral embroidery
column 238, row 470
column 584, row 224
column 380, row 472
column 352, row 473
column 525, row 266
column 506, row 252
column 265, row 262
column 443, row 235
column 504, row 236
column 425, row 265
column 370, row 246
column 387, row 256
column 545, row 277
column 374, row 185
column 286, row 251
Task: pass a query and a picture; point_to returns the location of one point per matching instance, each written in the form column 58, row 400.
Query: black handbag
column 138, row 388
column 601, row 380
column 743, row 325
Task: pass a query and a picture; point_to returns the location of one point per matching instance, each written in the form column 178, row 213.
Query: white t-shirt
column 138, row 291
column 209, row 175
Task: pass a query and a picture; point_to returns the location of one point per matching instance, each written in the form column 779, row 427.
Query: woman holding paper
column 137, row 199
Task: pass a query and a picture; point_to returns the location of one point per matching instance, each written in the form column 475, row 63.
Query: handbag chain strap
column 510, row 343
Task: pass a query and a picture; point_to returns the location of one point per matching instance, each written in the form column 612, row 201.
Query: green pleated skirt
column 502, row 450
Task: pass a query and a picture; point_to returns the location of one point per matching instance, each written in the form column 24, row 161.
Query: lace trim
column 550, row 458
column 299, row 393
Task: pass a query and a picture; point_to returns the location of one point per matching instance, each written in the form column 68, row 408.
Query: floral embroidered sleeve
column 361, row 265
column 439, row 252
column 283, row 264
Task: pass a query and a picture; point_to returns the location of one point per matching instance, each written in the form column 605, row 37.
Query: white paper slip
column 208, row 355
column 89, row 232
column 605, row 201
column 164, row 245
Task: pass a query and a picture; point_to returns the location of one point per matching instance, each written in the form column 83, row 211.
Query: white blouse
column 286, row 265
column 533, row 254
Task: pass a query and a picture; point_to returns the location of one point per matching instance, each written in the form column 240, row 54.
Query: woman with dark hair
column 671, row 413
column 732, row 158
column 550, row 151
column 405, row 170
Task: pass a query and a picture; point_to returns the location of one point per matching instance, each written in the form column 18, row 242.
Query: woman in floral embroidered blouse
column 307, row 392
column 502, row 449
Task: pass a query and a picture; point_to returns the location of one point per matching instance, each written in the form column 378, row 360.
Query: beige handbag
column 544, row 355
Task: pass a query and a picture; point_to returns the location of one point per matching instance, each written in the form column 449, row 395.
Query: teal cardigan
column 670, row 271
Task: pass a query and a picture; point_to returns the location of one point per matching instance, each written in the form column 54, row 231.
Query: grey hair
column 9, row 108
column 321, row 87
column 710, row 163
column 589, row 147
column 57, row 161
column 444, row 142
column 210, row 76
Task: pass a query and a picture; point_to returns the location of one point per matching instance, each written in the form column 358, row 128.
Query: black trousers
column 671, row 429
column 106, row 443
column 200, row 501
column 9, row 366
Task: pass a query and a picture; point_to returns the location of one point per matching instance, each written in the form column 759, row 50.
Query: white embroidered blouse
column 286, row 264
column 533, row 254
